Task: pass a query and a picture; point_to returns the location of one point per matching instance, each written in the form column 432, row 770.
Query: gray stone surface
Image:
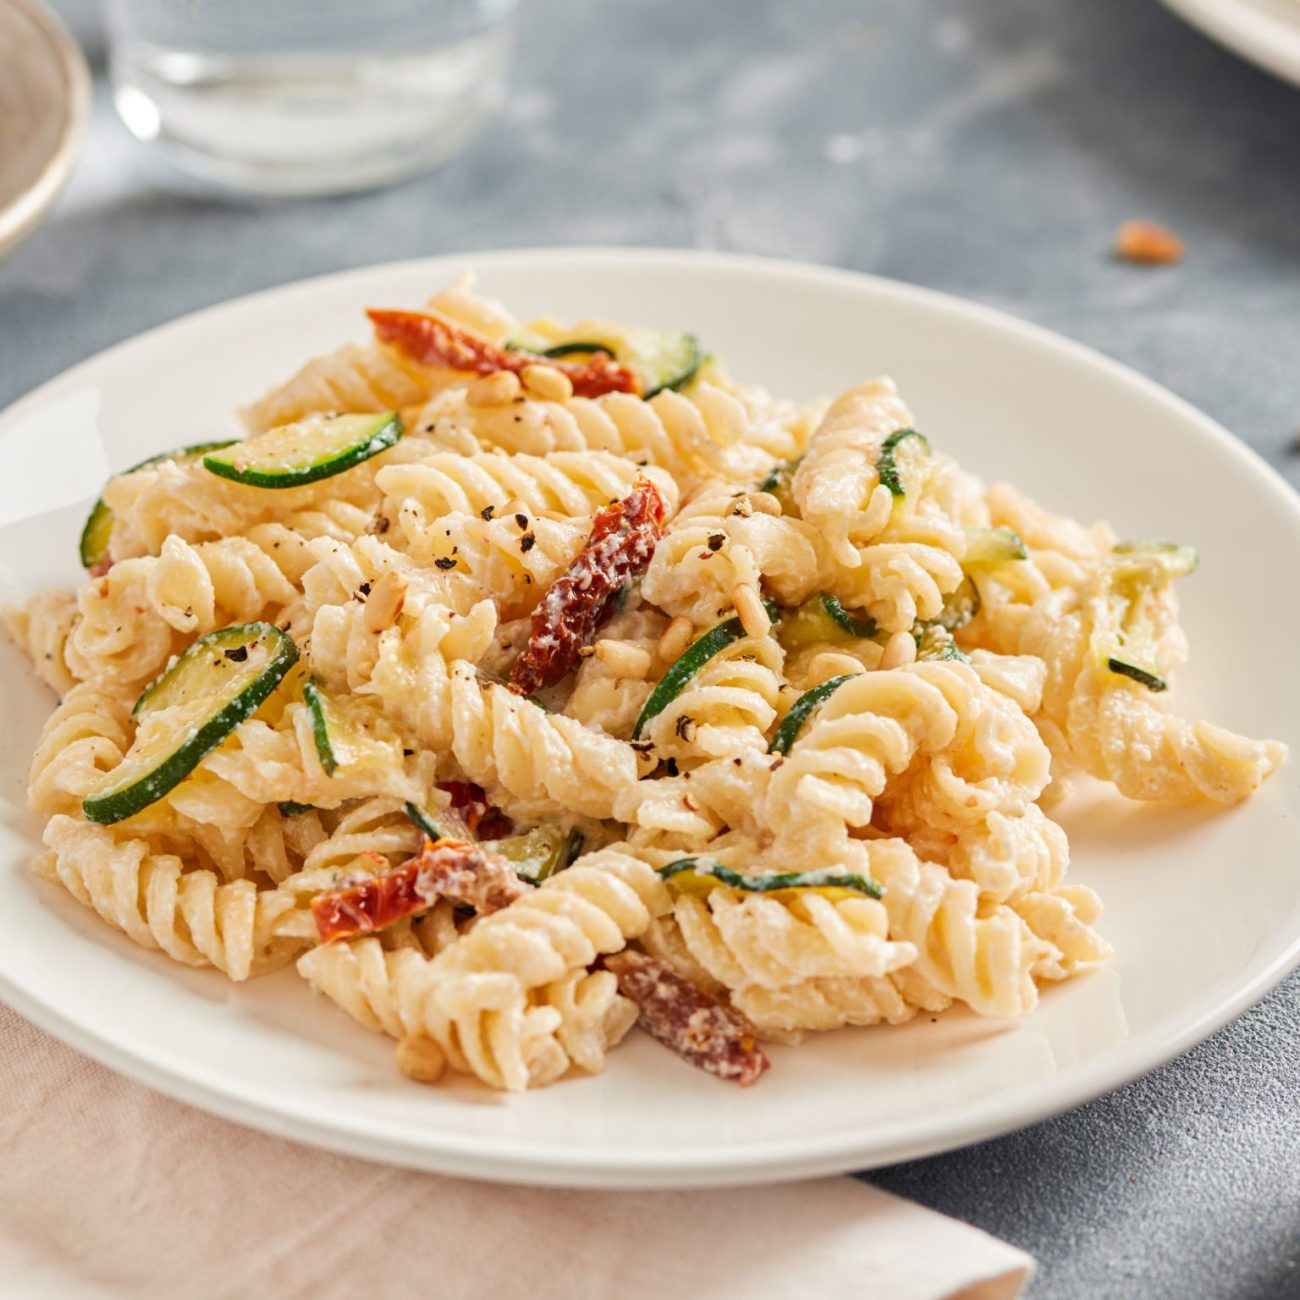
column 987, row 147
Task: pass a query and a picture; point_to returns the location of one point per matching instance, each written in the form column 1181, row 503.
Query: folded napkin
column 110, row 1190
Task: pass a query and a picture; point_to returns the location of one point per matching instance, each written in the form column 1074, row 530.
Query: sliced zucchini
column 887, row 465
column 1144, row 676
column 540, row 852
column 696, row 876
column 989, row 548
column 959, row 606
column 934, row 641
column 349, row 732
column 314, row 448
column 1136, row 572
column 535, row 856
column 668, row 359
column 1176, row 558
column 823, row 619
column 430, row 824
column 778, row 483
column 98, row 529
column 693, row 658
column 800, row 711
column 213, row 687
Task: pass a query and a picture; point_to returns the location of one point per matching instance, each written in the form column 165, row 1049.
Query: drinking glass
column 308, row 96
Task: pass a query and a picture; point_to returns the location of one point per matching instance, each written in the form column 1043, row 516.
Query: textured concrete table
column 987, row 147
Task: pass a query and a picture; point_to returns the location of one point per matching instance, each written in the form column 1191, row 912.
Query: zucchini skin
column 314, row 698
column 98, row 528
column 117, row 804
column 823, row 879
column 801, row 710
column 385, row 436
column 850, row 623
column 887, row 465
column 1143, row 676
column 693, row 658
column 423, row 821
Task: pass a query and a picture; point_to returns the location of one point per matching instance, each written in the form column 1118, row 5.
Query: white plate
column 1203, row 909
column 1267, row 32
column 44, row 106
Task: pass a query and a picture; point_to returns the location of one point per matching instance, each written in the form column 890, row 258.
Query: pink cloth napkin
column 110, row 1190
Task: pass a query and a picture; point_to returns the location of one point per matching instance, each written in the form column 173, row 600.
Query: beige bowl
column 44, row 106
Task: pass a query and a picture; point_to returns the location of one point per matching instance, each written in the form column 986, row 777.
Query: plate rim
column 494, row 1158
column 1259, row 35
column 20, row 217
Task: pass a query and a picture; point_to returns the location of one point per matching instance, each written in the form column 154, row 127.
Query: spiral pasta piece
column 154, row 901
column 134, row 617
column 742, row 940
column 689, row 436
column 504, row 741
column 894, row 555
column 42, row 627
column 716, row 543
column 483, row 1006
column 84, row 738
column 726, row 708
column 567, row 483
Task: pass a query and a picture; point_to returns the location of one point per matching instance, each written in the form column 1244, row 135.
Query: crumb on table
column 1146, row 242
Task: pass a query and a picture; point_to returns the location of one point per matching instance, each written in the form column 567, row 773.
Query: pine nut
column 900, row 649
column 497, row 389
column 546, row 383
column 676, row 637
column 385, row 601
column 624, row 659
column 420, row 1058
column 765, row 503
column 753, row 616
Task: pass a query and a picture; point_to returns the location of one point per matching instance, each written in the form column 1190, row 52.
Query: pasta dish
column 523, row 683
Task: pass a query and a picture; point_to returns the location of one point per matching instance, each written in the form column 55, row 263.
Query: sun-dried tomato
column 688, row 1021
column 469, row 802
column 456, row 869
column 623, row 538
column 432, row 341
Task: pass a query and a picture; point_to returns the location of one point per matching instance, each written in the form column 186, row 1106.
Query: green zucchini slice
column 989, row 548
column 668, row 359
column 1144, row 676
column 693, row 658
column 213, row 687
column 98, row 529
column 779, row 482
column 823, row 619
column 314, row 448
column 348, row 732
column 1136, row 572
column 800, row 711
column 541, row 852
column 1176, row 558
column 427, row 823
column 693, row 875
column 887, row 465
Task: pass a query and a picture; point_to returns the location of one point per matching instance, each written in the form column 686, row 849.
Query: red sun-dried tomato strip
column 689, row 1021
column 623, row 538
column 432, row 341
column 481, row 819
column 456, row 869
